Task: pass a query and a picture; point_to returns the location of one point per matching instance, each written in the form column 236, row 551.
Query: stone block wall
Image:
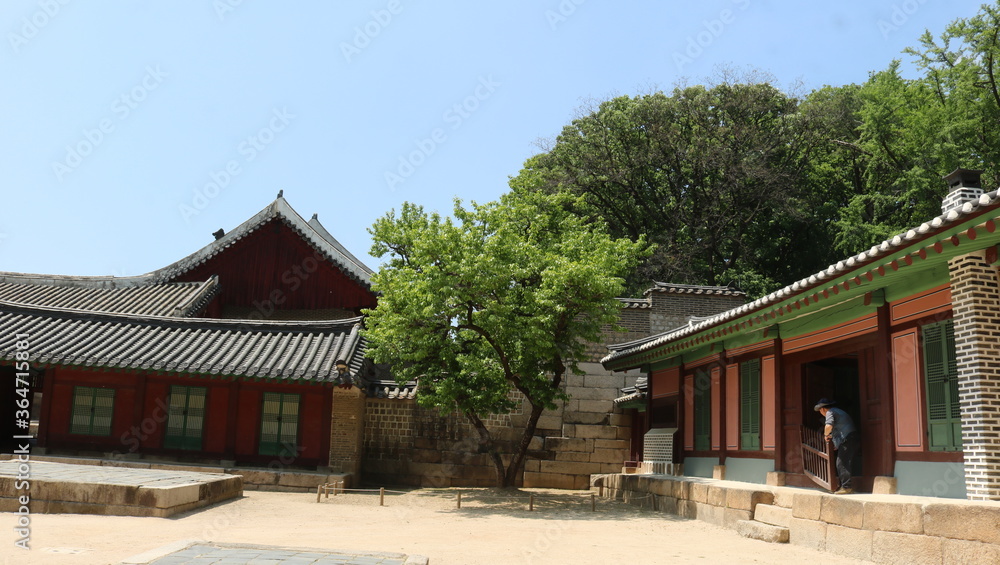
column 877, row 528
column 974, row 284
column 410, row 445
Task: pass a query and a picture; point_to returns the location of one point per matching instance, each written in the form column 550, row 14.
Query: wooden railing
column 818, row 460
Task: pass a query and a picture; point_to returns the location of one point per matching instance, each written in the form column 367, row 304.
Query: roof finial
column 315, row 216
column 218, row 234
column 281, row 193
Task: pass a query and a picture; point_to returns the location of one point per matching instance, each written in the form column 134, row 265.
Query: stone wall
column 872, row 528
column 409, row 445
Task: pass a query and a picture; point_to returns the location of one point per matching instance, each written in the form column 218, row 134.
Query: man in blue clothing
column 841, row 430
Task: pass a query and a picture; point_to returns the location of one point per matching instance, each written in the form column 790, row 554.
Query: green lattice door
column 279, row 424
column 186, row 418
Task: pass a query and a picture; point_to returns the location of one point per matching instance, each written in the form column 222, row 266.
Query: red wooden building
column 902, row 335
column 227, row 354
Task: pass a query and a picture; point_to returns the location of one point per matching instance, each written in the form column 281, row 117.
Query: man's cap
column 823, row 403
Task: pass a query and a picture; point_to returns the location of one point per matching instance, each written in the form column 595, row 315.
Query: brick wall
column 977, row 332
column 347, row 430
column 670, row 311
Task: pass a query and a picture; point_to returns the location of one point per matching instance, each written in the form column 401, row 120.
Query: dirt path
column 499, row 530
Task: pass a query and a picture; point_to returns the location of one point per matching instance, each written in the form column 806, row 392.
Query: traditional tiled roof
column 302, row 351
column 636, row 303
column 124, row 295
column 313, row 232
column 882, row 253
column 671, row 288
column 392, row 390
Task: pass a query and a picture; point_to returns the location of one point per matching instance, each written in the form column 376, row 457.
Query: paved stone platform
column 60, row 488
column 203, row 553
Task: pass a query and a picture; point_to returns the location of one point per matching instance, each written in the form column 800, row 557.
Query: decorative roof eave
column 636, row 399
column 957, row 228
column 321, row 241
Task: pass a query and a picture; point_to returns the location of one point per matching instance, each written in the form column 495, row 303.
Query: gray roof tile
column 283, row 350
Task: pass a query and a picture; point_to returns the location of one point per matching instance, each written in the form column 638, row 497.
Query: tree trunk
column 487, row 445
column 517, row 459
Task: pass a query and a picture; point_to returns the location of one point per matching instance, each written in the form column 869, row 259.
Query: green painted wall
column 748, row 470
column 700, row 466
column 921, row 478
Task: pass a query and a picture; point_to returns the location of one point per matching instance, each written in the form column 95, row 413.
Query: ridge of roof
column 635, row 303
column 336, row 253
column 674, row 288
column 181, row 299
column 313, row 232
column 969, row 210
column 85, row 281
column 326, row 235
column 301, row 326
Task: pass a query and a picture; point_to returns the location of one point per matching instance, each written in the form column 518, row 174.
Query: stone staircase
column 770, row 523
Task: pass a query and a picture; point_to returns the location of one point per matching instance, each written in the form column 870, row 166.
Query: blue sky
column 133, row 130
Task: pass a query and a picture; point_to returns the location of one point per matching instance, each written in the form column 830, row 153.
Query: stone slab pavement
column 64, row 472
column 202, row 553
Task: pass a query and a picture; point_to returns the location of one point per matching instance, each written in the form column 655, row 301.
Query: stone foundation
column 879, row 528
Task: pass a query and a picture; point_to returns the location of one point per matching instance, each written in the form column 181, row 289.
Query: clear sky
column 133, row 130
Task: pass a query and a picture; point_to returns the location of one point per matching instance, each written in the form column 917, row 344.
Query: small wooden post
column 381, row 496
column 326, row 490
column 593, row 502
column 460, row 499
column 318, row 489
column 531, row 502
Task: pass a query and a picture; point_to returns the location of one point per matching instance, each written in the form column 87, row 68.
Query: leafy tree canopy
column 500, row 297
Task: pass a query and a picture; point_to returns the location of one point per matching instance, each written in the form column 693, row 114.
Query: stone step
column 764, row 532
column 773, row 515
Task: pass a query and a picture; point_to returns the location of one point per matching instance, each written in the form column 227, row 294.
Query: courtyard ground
column 491, row 528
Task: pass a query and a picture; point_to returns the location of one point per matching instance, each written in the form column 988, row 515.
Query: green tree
column 501, row 297
column 712, row 175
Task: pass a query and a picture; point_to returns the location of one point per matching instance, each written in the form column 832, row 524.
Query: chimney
column 963, row 186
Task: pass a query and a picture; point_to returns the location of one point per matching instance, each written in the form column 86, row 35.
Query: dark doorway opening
column 838, row 379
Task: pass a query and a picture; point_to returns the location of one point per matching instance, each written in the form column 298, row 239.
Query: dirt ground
column 491, row 528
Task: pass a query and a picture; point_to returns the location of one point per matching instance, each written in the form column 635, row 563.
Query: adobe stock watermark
column 562, row 13
column 456, row 115
column 900, row 14
column 363, row 35
column 225, row 7
column 711, row 30
column 250, row 148
column 121, row 108
column 32, row 25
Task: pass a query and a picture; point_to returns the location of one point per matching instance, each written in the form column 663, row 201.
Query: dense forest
column 740, row 183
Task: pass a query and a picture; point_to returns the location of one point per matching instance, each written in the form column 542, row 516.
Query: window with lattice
column 944, row 421
column 750, row 405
